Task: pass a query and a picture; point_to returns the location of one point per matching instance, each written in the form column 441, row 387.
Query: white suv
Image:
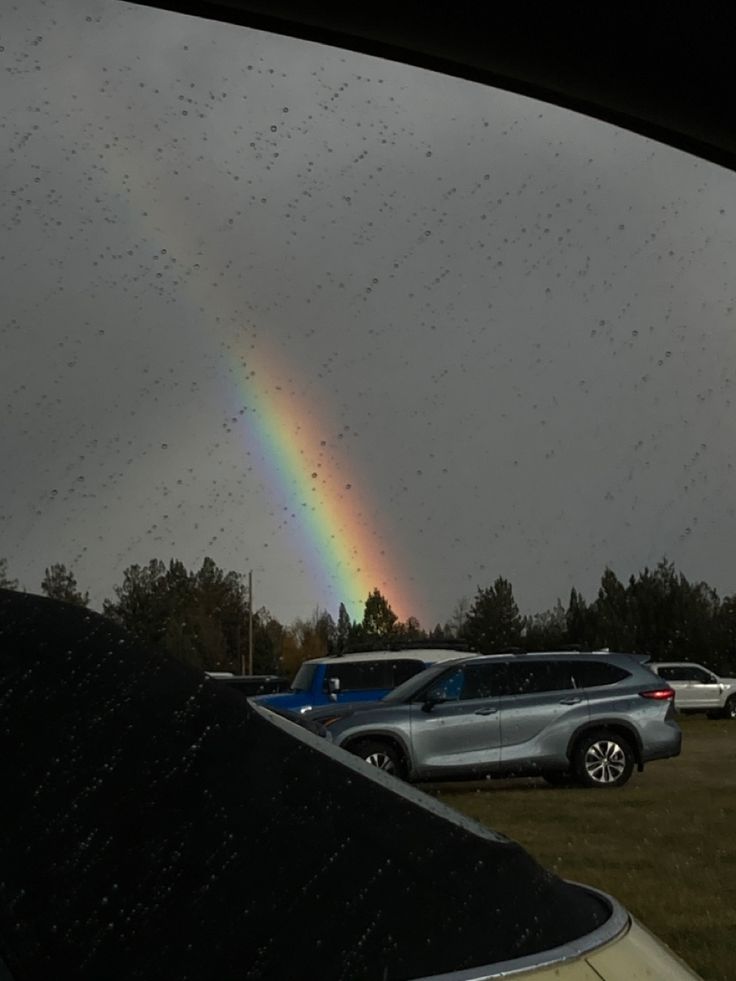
column 697, row 689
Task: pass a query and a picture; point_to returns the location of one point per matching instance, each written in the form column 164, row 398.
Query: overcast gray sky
column 231, row 260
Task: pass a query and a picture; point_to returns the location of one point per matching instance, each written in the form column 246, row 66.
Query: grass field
column 664, row 845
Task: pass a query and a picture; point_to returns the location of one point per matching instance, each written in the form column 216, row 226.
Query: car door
column 695, row 688
column 455, row 725
column 702, row 688
column 542, row 708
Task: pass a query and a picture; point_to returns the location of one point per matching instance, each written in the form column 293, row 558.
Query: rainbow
column 337, row 535
column 307, row 473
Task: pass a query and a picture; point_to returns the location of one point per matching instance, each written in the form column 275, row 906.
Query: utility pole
column 250, row 622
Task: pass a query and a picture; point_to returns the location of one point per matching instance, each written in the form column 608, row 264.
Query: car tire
column 603, row 759
column 381, row 754
column 729, row 709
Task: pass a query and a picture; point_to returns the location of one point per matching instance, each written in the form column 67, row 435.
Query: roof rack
column 406, row 645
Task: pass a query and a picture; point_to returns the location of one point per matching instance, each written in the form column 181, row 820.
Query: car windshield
column 304, row 678
column 307, row 351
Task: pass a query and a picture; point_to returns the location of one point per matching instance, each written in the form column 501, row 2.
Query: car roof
column 426, row 655
column 606, row 656
column 568, row 655
column 229, row 676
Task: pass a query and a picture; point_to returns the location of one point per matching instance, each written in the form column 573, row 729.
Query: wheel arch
column 381, row 735
column 613, row 726
column 726, row 710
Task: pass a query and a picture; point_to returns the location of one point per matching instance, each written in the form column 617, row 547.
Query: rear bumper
column 663, row 749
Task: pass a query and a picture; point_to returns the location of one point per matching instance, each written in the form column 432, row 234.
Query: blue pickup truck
column 366, row 677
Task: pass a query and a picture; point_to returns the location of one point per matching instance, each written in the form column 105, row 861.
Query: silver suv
column 697, row 689
column 586, row 717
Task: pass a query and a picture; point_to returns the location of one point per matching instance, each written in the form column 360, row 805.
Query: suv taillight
column 660, row 694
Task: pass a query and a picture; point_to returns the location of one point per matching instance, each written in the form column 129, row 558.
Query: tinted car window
column 361, row 675
column 699, row 675
column 529, row 677
column 414, row 688
column 682, row 672
column 485, row 680
column 448, row 688
column 594, row 674
column 403, row 670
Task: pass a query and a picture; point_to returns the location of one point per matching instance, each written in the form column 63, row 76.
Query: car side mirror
column 431, row 699
column 333, row 688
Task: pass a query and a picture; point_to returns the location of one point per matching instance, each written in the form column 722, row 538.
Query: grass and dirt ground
column 664, row 845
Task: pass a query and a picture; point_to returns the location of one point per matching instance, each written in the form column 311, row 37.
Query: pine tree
column 493, row 621
column 577, row 620
column 378, row 618
column 613, row 614
column 60, row 583
column 5, row 581
column 343, row 629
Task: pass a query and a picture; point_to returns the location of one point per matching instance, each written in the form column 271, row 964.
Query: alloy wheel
column 604, row 761
column 382, row 760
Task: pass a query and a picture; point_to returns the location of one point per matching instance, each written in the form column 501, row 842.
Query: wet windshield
column 304, row 678
column 305, row 351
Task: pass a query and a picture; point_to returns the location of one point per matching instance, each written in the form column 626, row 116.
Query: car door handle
column 490, row 711
column 572, row 700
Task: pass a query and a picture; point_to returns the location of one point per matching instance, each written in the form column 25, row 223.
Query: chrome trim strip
column 617, row 924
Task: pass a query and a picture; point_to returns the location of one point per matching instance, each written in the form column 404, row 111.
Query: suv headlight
column 305, row 708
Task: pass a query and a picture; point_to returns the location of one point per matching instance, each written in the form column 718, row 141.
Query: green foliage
column 453, row 629
column 379, row 619
column 438, row 634
column 307, row 639
column 201, row 617
column 578, row 621
column 198, row 617
column 725, row 630
column 342, row 632
column 326, row 630
column 411, row 631
column 268, row 643
column 60, row 583
column 659, row 613
column 5, row 581
column 493, row 621
column 613, row 615
column 546, row 631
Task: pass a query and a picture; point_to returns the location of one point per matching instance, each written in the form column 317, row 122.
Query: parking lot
column 664, row 845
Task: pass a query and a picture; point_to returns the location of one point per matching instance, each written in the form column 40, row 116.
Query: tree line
column 202, row 617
